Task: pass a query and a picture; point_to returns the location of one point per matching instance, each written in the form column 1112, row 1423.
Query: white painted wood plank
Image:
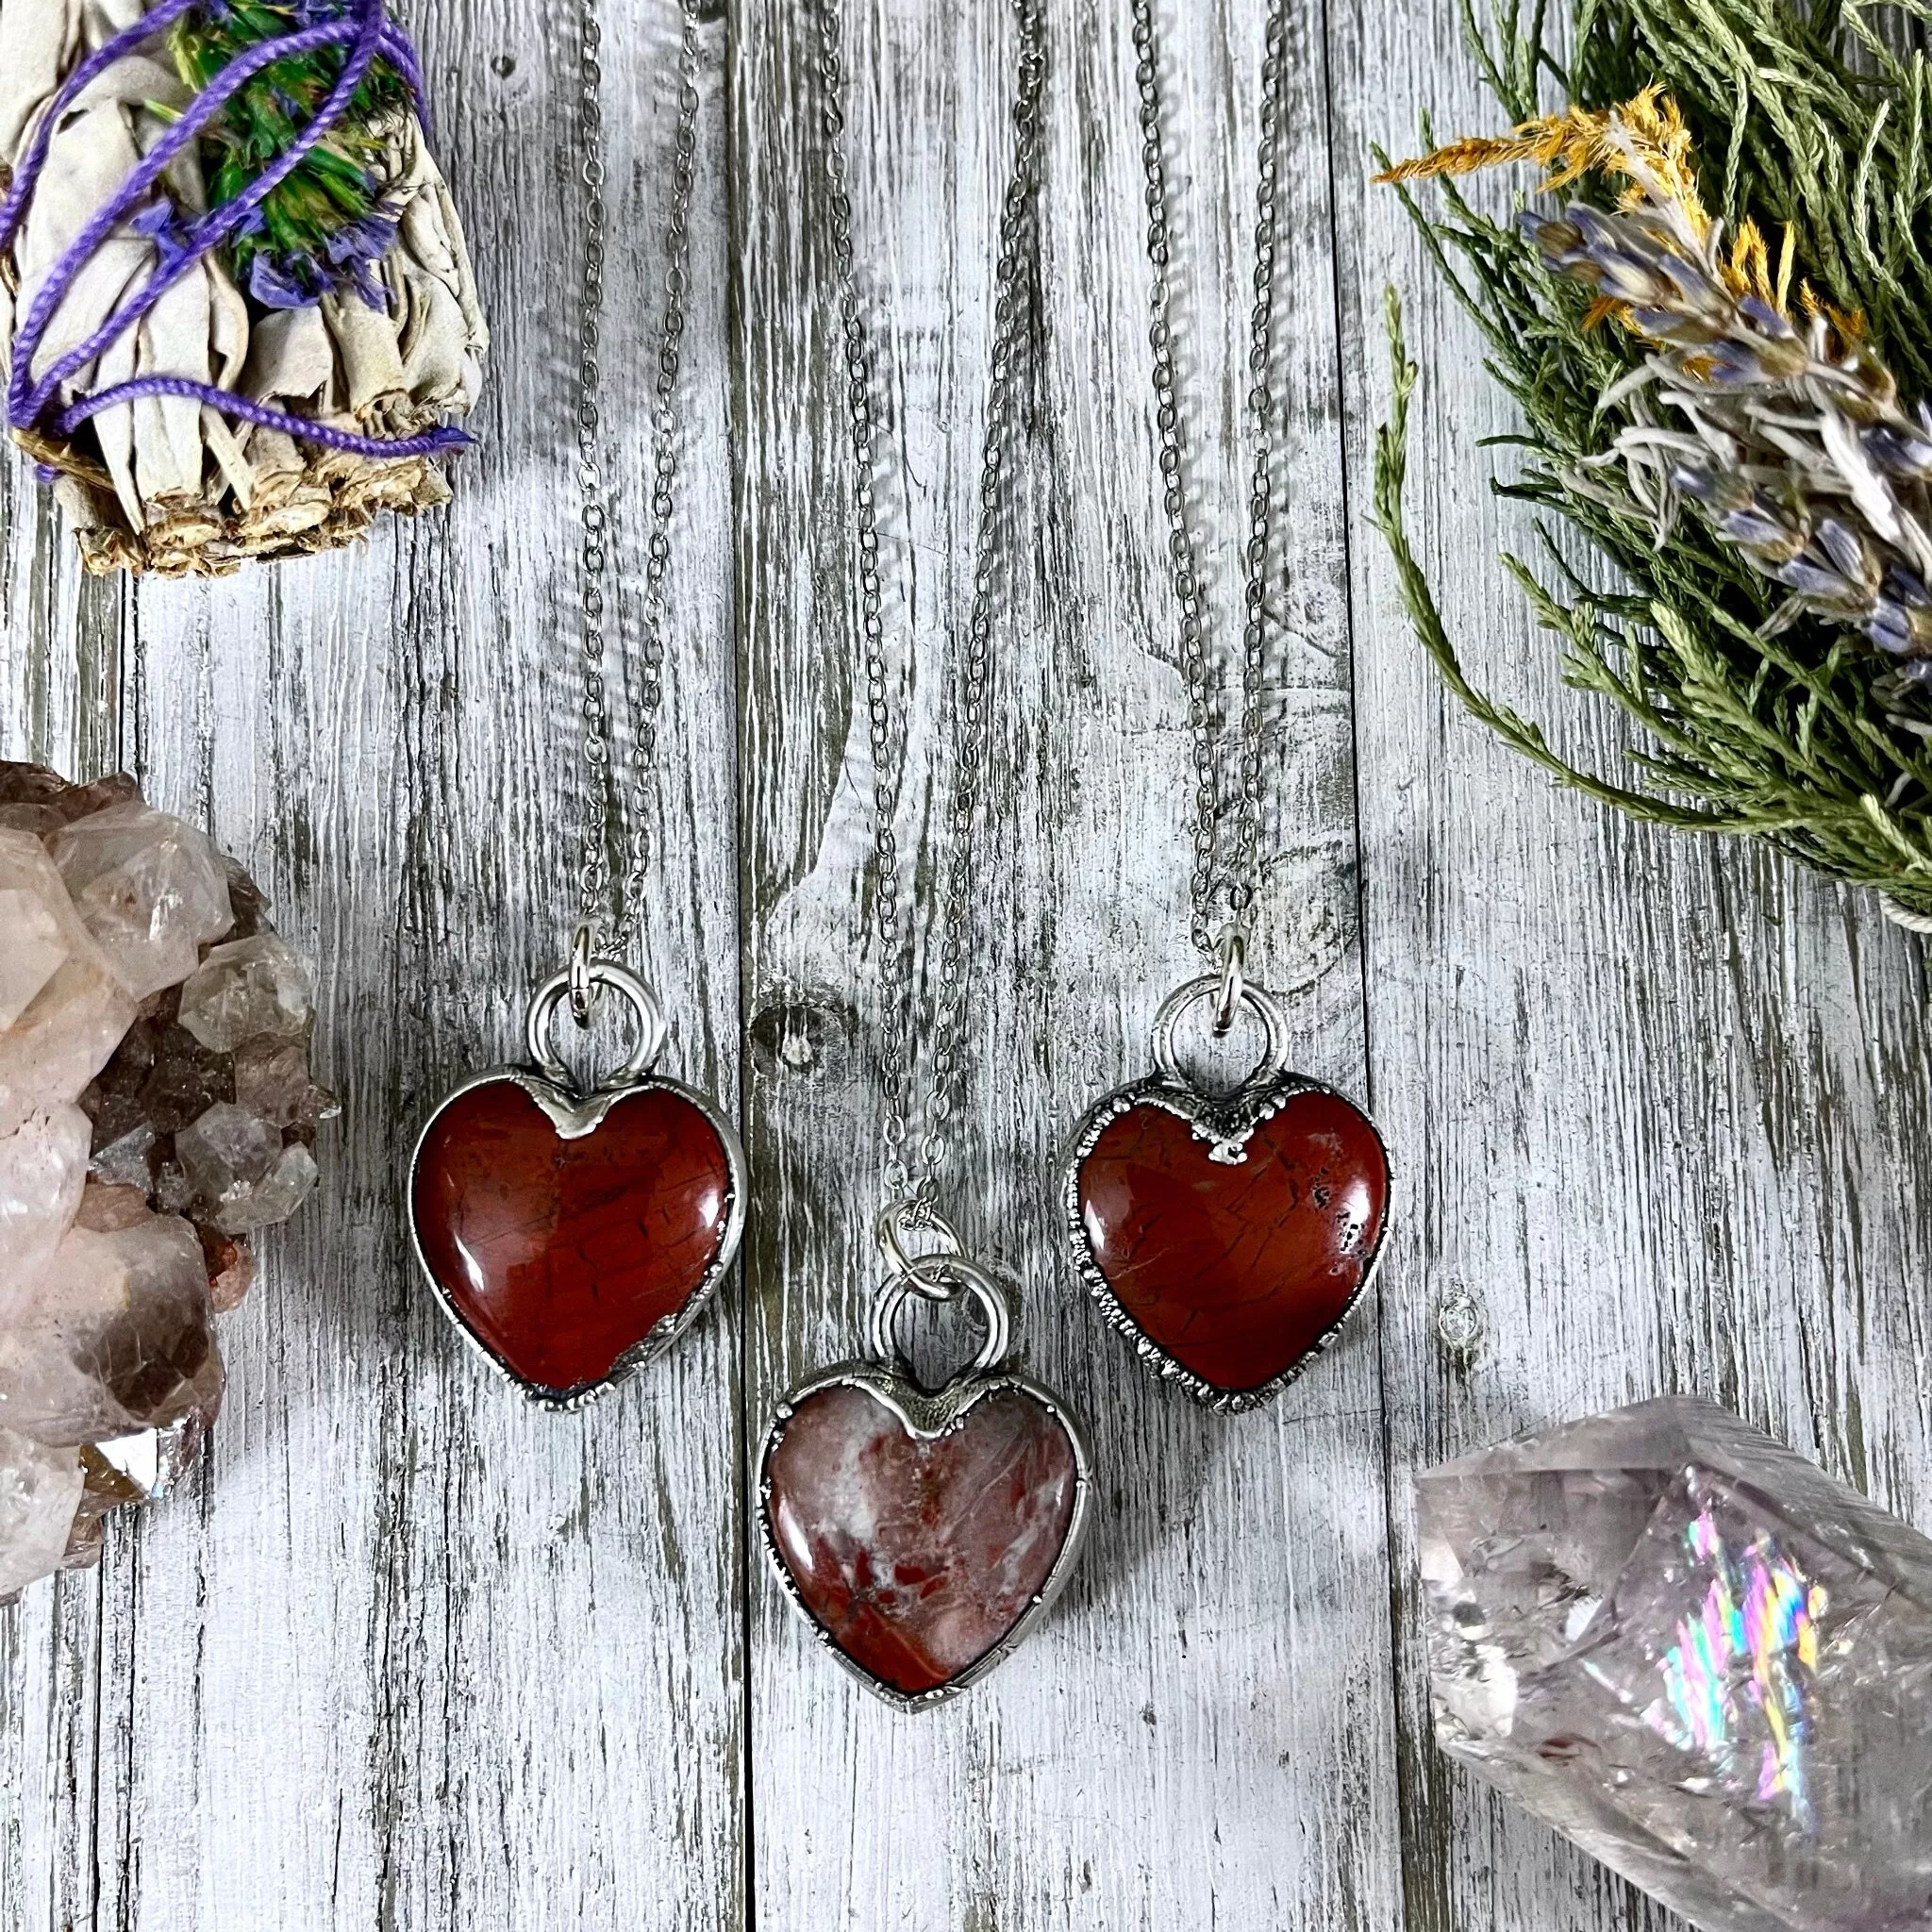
column 59, row 672
column 407, row 1656
column 1664, row 1102
column 410, row 1654
column 1202, row 1733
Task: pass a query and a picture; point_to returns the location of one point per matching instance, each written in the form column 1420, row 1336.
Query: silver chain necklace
column 912, row 1173
column 906, row 1456
column 573, row 1232
column 602, row 790
column 1223, row 895
column 1226, row 1235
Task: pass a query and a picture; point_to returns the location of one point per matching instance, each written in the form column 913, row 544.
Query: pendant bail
column 896, row 1220
column 646, row 1014
column 1233, row 981
column 938, row 1274
column 1273, row 1062
column 581, row 946
column 961, row 1275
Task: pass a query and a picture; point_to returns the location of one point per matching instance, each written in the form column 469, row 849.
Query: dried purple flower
column 1794, row 447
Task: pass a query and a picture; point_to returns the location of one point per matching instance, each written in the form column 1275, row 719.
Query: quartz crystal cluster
column 155, row 1108
column 1698, row 1656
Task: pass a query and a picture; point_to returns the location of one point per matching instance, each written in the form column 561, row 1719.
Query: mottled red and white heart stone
column 1235, row 1258
column 561, row 1255
column 919, row 1556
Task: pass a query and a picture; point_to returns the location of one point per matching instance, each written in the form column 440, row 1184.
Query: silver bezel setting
column 1227, row 1122
column 575, row 1116
column 928, row 1415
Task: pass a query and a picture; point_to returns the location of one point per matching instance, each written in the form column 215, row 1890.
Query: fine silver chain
column 1223, row 895
column 912, row 1174
column 603, row 790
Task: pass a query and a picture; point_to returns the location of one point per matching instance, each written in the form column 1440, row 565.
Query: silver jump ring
column 958, row 1272
column 898, row 1219
column 645, row 1011
column 1234, row 980
column 1273, row 1061
column 580, row 973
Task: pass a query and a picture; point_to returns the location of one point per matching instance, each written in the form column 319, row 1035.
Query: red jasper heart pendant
column 1228, row 1236
column 920, row 1541
column 923, row 1533
column 572, row 1237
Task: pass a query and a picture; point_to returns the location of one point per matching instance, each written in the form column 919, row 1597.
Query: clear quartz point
column 154, row 1055
column 153, row 1461
column 39, row 1490
column 68, row 1011
column 148, row 886
column 1697, row 1656
column 246, row 990
column 116, row 1334
column 240, row 1171
column 42, row 1171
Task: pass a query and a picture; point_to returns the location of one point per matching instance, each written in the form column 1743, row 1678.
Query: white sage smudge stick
column 299, row 342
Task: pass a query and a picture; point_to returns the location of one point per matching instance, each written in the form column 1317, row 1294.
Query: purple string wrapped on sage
column 255, row 340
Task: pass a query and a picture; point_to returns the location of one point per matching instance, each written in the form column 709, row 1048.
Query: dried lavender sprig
column 327, row 227
column 1786, row 736
column 1796, row 453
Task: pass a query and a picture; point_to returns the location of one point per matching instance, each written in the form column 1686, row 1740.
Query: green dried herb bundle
column 1727, row 431
column 327, row 225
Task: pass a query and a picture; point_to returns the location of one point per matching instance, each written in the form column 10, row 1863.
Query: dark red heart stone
column 1236, row 1268
column 561, row 1255
column 918, row 1556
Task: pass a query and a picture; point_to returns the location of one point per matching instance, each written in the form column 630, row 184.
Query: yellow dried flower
column 1647, row 131
column 1643, row 142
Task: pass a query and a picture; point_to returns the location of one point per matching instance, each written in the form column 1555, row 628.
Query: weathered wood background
column 409, row 1655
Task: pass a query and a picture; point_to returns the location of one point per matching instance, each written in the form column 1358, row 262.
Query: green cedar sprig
column 1793, row 733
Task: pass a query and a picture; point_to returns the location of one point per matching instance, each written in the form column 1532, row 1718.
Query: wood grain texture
column 59, row 672
column 410, row 1654
column 407, row 1656
column 1197, row 1735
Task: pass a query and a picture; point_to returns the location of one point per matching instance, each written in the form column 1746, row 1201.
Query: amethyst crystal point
column 155, row 1108
column 1694, row 1654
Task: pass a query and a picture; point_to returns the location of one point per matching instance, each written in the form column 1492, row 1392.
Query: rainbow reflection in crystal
column 1696, row 1656
column 1761, row 1611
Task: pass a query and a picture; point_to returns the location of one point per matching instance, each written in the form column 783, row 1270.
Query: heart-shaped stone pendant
column 1227, row 1235
column 923, row 1534
column 572, row 1237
